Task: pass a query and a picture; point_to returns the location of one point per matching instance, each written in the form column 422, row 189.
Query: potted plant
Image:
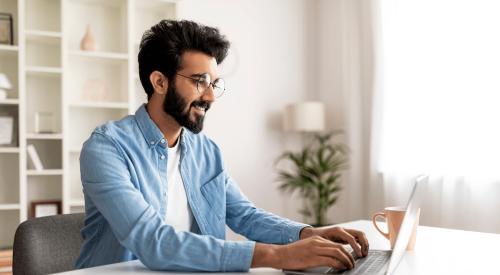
column 316, row 173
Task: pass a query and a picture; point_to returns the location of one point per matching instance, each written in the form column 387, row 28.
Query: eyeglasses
column 203, row 82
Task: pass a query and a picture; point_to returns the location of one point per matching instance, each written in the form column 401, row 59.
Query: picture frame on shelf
column 6, row 29
column 6, row 130
column 11, row 112
column 45, row 208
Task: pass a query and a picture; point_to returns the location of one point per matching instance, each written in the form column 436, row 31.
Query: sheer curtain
column 440, row 102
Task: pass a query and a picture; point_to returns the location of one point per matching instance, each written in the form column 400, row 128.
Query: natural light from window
column 441, row 87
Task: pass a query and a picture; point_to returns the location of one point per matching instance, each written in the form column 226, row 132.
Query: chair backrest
column 47, row 245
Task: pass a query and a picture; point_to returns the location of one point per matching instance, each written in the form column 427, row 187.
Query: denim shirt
column 124, row 176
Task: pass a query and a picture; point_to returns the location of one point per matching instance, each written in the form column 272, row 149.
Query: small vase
column 89, row 42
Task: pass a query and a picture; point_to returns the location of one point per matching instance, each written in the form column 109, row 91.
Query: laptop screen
column 416, row 198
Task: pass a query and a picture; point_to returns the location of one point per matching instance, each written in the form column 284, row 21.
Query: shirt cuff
column 237, row 256
column 291, row 233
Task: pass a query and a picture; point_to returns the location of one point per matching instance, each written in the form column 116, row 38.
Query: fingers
column 351, row 240
column 362, row 240
column 338, row 253
column 327, row 261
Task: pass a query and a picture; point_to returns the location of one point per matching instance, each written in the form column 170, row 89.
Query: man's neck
column 170, row 129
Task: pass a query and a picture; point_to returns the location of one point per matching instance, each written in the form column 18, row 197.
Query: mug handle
column 374, row 223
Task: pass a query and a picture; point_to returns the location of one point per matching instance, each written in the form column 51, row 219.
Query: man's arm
column 107, row 181
column 254, row 223
column 317, row 247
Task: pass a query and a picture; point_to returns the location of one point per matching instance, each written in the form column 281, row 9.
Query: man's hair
column 162, row 47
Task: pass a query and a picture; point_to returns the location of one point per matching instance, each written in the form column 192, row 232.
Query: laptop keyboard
column 371, row 264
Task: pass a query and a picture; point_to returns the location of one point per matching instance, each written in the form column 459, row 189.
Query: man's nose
column 209, row 95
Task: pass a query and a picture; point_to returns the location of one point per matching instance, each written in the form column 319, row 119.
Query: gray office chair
column 47, row 245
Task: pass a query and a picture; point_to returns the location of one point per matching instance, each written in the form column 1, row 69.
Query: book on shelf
column 35, row 159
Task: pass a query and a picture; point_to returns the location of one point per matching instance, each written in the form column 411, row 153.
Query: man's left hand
column 340, row 235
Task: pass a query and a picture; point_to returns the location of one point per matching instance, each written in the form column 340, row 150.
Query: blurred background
column 413, row 85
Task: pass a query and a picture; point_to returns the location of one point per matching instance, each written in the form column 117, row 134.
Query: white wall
column 275, row 41
column 293, row 50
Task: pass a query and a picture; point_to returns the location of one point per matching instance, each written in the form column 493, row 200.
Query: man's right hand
column 310, row 252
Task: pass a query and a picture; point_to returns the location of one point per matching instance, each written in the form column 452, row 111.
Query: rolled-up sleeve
column 106, row 180
column 254, row 223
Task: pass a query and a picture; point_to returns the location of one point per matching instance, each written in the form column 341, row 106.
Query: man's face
column 183, row 101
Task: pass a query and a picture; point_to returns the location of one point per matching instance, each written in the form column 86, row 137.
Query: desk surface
column 438, row 251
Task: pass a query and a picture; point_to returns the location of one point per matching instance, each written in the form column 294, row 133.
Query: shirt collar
column 150, row 131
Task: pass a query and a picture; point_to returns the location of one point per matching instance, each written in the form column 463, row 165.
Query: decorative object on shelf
column 6, row 29
column 6, row 129
column 45, row 208
column 4, row 84
column 44, row 123
column 95, row 90
column 89, row 42
column 35, row 159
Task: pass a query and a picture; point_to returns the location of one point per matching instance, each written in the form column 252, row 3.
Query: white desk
column 438, row 251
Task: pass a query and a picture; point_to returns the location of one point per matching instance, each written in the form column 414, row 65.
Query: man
column 156, row 188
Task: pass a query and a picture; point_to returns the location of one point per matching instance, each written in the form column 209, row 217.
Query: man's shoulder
column 115, row 128
column 115, row 131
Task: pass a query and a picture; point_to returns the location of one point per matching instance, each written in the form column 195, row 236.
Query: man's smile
column 200, row 110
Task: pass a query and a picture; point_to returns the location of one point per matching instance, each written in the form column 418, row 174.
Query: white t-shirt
column 179, row 214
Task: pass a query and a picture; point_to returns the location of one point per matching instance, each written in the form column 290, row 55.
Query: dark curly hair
column 162, row 47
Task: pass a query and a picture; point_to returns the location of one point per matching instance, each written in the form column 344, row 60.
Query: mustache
column 203, row 104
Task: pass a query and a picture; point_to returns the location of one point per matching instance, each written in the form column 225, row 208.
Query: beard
column 174, row 106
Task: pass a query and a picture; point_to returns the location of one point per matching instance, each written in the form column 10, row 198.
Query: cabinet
column 50, row 74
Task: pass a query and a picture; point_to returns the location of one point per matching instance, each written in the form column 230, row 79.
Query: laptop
column 381, row 262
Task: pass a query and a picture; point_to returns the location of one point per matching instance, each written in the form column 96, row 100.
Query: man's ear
column 159, row 82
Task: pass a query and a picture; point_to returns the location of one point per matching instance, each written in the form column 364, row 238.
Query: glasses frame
column 198, row 84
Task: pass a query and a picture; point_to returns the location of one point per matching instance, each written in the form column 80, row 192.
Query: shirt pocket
column 215, row 193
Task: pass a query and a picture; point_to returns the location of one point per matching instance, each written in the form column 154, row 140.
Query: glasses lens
column 203, row 83
column 219, row 87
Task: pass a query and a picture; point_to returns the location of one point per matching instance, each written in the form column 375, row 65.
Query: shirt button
column 291, row 240
column 162, row 157
column 166, row 193
column 152, row 142
column 162, row 141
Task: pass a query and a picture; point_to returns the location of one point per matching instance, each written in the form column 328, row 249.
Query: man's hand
column 310, row 252
column 340, row 235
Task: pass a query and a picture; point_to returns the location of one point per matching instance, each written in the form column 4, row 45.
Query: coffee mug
column 394, row 217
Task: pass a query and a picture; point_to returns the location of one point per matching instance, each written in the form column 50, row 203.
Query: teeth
column 201, row 109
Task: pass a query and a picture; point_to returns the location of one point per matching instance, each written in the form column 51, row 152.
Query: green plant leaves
column 315, row 174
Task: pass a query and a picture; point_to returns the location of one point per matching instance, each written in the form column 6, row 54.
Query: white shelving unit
column 48, row 71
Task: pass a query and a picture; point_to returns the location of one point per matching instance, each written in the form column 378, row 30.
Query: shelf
column 108, row 55
column 8, row 50
column 153, row 5
column 9, row 149
column 112, row 105
column 9, row 101
column 43, row 33
column 10, row 206
column 11, row 48
column 44, row 136
column 44, row 37
column 76, row 203
column 45, row 172
column 43, row 71
column 75, row 149
column 107, row 3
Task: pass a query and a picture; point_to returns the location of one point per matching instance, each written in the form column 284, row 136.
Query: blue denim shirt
column 124, row 181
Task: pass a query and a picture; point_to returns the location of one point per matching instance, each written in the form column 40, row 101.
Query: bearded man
column 156, row 188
